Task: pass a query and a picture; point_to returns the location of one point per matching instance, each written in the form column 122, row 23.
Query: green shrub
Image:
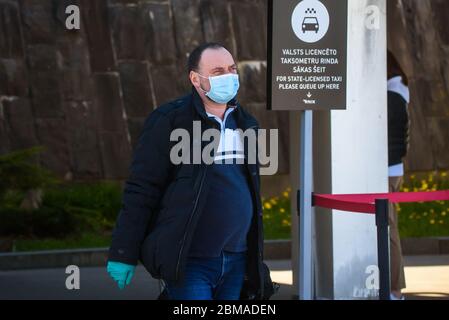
column 67, row 209
column 84, row 240
column 277, row 216
column 104, row 198
column 19, row 171
column 429, row 219
column 48, row 222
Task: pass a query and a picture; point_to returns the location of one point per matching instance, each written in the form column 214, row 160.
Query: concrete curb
column 273, row 250
column 53, row 259
column 425, row 246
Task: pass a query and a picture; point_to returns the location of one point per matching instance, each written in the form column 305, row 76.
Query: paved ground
column 427, row 278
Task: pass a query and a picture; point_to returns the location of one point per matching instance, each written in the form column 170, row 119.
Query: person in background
column 398, row 133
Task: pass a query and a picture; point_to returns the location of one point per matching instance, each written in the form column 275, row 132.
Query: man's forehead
column 216, row 58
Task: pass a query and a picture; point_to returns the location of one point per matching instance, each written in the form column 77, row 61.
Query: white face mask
column 222, row 88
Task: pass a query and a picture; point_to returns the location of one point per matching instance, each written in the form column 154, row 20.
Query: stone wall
column 84, row 94
column 419, row 37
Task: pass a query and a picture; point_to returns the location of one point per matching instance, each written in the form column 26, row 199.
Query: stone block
column 76, row 81
column 38, row 21
column 13, row 78
column 10, row 31
column 137, row 92
column 52, row 134
column 109, row 103
column 20, row 123
column 82, row 136
column 216, row 23
column 189, row 33
column 95, row 21
column 166, row 83
column 253, row 78
column 128, row 32
column 250, row 25
column 116, row 155
column 45, row 80
column 135, row 126
column 159, row 38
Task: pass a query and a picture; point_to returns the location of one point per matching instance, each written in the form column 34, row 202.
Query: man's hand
column 121, row 272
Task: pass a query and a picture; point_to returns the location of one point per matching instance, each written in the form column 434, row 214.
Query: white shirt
column 396, row 85
column 231, row 142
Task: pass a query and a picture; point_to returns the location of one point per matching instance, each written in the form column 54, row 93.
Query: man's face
column 214, row 62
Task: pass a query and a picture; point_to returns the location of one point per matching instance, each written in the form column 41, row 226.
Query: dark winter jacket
column 162, row 202
column 398, row 128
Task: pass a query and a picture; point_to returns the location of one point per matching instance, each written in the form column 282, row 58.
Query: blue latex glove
column 121, row 272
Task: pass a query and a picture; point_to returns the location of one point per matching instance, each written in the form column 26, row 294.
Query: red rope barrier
column 364, row 203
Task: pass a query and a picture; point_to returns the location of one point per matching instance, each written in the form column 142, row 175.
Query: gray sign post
column 307, row 52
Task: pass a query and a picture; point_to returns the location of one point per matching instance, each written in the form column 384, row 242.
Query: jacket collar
column 198, row 104
column 243, row 121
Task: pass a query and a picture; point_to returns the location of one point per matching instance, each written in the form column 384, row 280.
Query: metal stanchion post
column 383, row 248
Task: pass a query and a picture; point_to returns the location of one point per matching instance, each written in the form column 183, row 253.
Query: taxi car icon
column 310, row 24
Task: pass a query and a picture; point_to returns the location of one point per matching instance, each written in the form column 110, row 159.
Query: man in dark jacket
column 198, row 227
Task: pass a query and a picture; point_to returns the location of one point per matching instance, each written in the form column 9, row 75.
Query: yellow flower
column 444, row 213
column 273, row 201
column 412, row 176
column 443, row 174
column 425, row 214
column 441, row 222
column 285, row 223
column 432, row 221
column 267, row 205
column 424, row 186
column 282, row 210
column 285, row 194
column 406, row 190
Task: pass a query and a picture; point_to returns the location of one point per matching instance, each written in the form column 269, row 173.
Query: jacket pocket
column 182, row 177
column 149, row 253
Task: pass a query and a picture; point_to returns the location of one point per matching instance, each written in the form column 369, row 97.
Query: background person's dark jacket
column 162, row 201
column 398, row 128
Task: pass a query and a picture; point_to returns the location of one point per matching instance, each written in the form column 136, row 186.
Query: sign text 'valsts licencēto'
column 307, row 50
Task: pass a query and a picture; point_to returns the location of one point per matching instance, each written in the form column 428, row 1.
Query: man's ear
column 194, row 79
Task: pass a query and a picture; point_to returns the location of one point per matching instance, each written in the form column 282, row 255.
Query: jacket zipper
column 188, row 224
column 260, row 267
